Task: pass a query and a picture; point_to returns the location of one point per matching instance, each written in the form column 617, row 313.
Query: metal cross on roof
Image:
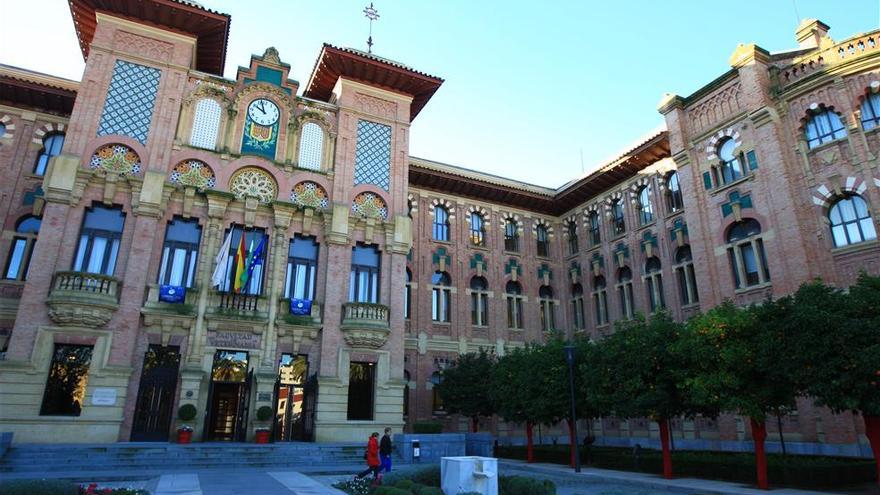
column 372, row 14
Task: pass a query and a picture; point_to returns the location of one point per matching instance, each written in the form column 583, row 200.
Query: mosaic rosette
column 116, row 158
column 193, row 173
column 310, row 195
column 255, row 182
column 369, row 205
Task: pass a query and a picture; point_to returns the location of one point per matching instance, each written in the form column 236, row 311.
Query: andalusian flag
column 240, row 281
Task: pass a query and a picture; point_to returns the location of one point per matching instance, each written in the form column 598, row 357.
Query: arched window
column 542, row 240
column 19, row 260
column 441, row 224
column 206, row 124
column 478, row 233
column 511, row 235
column 99, row 240
column 545, row 299
column 572, row 231
column 595, row 232
column 406, row 382
column 407, row 295
column 513, row 293
column 822, row 127
column 687, row 280
column 646, row 208
column 674, row 199
column 871, row 111
column 440, row 296
column 180, row 252
column 577, row 307
column 479, row 302
column 600, row 300
column 851, row 221
column 654, row 283
column 618, row 223
column 363, row 284
column 311, row 146
column 52, row 145
column 745, row 250
column 625, row 292
column 437, row 403
column 731, row 161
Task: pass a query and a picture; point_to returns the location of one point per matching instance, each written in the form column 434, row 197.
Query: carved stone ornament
column 372, row 338
column 253, row 182
column 76, row 315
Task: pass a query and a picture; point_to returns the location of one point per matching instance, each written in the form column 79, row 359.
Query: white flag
column 222, row 261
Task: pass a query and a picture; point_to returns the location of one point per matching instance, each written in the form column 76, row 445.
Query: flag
column 240, row 267
column 256, row 257
column 222, row 260
column 300, row 307
column 172, row 294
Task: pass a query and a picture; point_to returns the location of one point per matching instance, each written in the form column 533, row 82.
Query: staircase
column 145, row 458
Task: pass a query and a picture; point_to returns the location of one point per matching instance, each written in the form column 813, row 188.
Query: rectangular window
column 254, row 260
column 479, row 309
column 302, row 268
column 180, row 253
column 361, row 386
column 577, row 310
column 363, row 284
column 476, row 229
column 99, row 240
column 514, row 312
column 548, row 321
column 19, row 259
column 66, row 386
column 440, row 304
column 600, row 301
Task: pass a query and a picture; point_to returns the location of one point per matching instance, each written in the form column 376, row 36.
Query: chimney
column 810, row 31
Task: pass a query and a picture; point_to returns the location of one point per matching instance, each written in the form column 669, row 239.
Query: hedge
column 38, row 487
column 790, row 470
column 426, row 427
column 426, row 481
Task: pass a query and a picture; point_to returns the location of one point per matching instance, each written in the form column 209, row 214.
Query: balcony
column 229, row 305
column 365, row 324
column 83, row 299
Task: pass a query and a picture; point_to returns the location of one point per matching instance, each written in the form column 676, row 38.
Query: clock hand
column 261, row 107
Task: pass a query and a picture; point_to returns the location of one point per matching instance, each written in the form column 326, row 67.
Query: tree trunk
column 781, row 436
column 759, row 435
column 530, row 453
column 872, row 431
column 572, row 442
column 663, row 423
column 475, row 423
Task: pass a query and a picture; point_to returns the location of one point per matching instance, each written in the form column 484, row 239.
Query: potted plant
column 264, row 414
column 187, row 412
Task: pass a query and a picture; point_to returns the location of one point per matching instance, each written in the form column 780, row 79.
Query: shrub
column 404, row 485
column 354, row 487
column 187, row 412
column 427, row 427
column 264, row 413
column 521, row 485
column 38, row 487
column 431, row 490
column 417, row 488
column 429, row 477
column 390, row 490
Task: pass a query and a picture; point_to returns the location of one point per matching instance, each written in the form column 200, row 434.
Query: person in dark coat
column 385, row 451
column 372, row 457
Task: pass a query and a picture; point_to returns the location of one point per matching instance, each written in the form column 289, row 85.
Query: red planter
column 184, row 436
column 261, row 436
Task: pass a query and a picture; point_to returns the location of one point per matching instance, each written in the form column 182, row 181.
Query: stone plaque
column 264, row 396
column 104, row 397
column 233, row 340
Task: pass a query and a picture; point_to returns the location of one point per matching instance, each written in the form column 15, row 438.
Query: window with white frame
column 646, row 207
column 478, row 233
column 618, row 222
column 19, row 259
column 99, row 240
column 548, row 314
column 654, row 284
column 364, row 278
column 441, row 296
column 732, row 163
column 407, row 296
column 253, row 262
column 674, row 199
column 625, row 292
column 311, row 146
column 441, row 224
column 511, row 235
column 572, row 231
column 870, row 110
column 745, row 250
column 687, row 280
column 823, row 126
column 577, row 307
column 851, row 221
column 302, row 268
column 52, row 144
column 600, row 300
column 542, row 240
column 595, row 229
column 180, row 252
column 513, row 294
column 206, row 124
column 479, row 302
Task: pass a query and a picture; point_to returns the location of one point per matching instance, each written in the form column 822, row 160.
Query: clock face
column 263, row 112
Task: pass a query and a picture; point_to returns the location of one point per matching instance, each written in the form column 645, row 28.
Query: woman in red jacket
column 372, row 457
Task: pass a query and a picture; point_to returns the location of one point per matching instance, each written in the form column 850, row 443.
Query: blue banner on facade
column 172, row 293
column 300, row 307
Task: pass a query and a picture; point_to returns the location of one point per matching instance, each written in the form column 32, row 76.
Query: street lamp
column 569, row 356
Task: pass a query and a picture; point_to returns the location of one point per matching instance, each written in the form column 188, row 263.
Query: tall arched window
column 674, row 199
column 511, row 235
column 577, row 307
column 646, row 208
column 440, row 296
column 618, row 223
column 600, row 300
column 595, row 232
column 206, row 124
column 851, row 221
column 513, row 293
column 542, row 240
column 731, row 162
column 572, row 231
column 406, row 382
column 687, row 280
column 407, row 296
column 745, row 249
column 441, row 224
column 19, row 260
column 479, row 302
column 437, row 402
column 625, row 292
column 478, row 233
column 99, row 240
column 871, row 111
column 311, row 146
column 548, row 315
column 52, row 144
column 654, row 283
column 823, row 126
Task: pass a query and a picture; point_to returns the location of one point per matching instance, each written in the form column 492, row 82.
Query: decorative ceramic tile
column 311, row 145
column 369, row 205
column 116, row 158
column 193, row 173
column 310, row 194
column 255, row 182
column 372, row 162
column 206, row 123
column 128, row 108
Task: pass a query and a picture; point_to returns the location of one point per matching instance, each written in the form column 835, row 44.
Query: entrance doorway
column 152, row 418
column 228, row 397
column 294, row 400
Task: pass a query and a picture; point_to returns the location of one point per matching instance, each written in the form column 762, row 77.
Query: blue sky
column 530, row 86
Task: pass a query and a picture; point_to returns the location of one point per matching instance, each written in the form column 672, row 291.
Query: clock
column 263, row 112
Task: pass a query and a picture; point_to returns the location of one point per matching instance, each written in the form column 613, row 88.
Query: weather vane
column 372, row 14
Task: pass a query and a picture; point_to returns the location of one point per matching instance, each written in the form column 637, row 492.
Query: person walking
column 385, row 451
column 372, row 457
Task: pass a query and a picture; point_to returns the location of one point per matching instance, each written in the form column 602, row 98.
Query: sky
column 534, row 91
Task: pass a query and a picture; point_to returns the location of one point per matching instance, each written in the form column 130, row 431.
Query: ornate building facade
column 273, row 256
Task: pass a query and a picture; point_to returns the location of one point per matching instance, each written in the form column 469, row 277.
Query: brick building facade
column 122, row 190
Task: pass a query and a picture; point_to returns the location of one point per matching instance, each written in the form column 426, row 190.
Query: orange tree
column 516, row 393
column 466, row 386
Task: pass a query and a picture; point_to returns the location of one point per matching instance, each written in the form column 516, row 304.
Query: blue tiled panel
column 130, row 101
column 372, row 158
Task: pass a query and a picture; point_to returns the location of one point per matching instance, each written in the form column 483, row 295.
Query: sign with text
column 234, row 340
column 104, row 397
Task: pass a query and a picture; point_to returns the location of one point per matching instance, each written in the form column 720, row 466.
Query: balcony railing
column 239, row 302
column 365, row 324
column 365, row 313
column 81, row 282
column 83, row 299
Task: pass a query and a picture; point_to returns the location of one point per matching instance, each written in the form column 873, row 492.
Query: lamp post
column 569, row 356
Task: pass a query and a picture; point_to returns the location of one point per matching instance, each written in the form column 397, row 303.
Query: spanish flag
column 240, row 266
